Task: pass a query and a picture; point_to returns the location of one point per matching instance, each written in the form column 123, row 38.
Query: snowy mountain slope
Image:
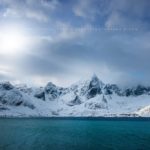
column 85, row 98
column 145, row 112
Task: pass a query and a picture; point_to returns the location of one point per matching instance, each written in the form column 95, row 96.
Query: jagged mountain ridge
column 86, row 98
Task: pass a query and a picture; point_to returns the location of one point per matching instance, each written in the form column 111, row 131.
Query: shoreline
column 84, row 118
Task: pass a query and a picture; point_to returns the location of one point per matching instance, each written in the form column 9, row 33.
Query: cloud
column 122, row 55
column 89, row 9
column 112, row 13
column 28, row 9
column 72, row 45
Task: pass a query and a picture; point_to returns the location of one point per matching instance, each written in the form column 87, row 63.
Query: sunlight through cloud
column 12, row 41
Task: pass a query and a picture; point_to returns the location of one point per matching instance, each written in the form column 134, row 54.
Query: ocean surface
column 74, row 134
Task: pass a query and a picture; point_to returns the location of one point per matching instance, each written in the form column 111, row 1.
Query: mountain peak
column 95, row 80
column 95, row 86
column 6, row 85
column 94, row 76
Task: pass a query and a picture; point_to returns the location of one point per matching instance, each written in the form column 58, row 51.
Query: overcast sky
column 69, row 40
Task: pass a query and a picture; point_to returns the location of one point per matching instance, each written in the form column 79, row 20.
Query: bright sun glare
column 12, row 41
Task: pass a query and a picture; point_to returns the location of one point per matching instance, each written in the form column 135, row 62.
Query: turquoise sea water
column 74, row 134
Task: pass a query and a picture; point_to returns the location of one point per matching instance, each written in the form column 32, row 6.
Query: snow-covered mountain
column 90, row 97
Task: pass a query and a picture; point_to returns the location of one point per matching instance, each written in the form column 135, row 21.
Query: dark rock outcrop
column 75, row 101
column 95, row 87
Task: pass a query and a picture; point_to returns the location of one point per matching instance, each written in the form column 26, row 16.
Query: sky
column 64, row 41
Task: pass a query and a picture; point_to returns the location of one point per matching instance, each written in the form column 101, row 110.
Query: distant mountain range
column 90, row 97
